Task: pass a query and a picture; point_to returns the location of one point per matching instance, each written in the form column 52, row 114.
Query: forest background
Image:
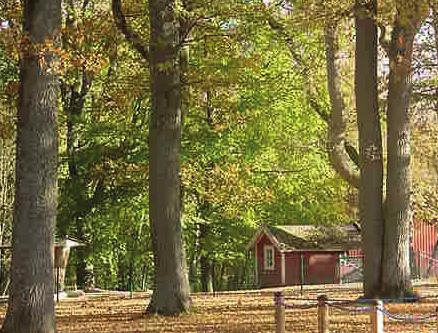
column 255, row 139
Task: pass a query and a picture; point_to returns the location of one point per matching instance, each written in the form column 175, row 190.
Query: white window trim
column 267, row 248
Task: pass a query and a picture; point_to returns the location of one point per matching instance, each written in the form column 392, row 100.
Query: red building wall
column 293, row 268
column 268, row 278
column 424, row 238
column 323, row 267
column 320, row 267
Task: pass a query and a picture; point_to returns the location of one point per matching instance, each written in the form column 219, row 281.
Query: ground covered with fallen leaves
column 239, row 312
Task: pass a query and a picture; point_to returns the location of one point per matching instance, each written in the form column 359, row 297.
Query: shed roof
column 62, row 242
column 307, row 237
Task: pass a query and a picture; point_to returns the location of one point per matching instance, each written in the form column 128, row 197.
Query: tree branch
column 339, row 157
column 278, row 171
column 130, row 35
column 345, row 150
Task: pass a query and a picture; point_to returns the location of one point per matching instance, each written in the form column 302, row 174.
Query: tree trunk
column 370, row 145
column 171, row 293
column 31, row 304
column 396, row 274
column 206, row 274
column 338, row 119
column 204, row 260
column 434, row 6
column 7, row 186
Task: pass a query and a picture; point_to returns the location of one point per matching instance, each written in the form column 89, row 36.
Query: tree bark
column 31, row 303
column 370, row 145
column 434, row 7
column 396, row 274
column 7, row 186
column 344, row 157
column 206, row 274
column 204, row 260
column 171, row 293
column 338, row 155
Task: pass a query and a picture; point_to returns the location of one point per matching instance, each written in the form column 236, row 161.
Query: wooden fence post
column 323, row 314
column 436, row 311
column 280, row 320
column 377, row 317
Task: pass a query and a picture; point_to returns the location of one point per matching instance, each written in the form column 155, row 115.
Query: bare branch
column 130, row 35
column 339, row 157
column 343, row 152
column 278, row 171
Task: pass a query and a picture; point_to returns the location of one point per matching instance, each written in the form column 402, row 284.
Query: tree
column 31, row 304
column 386, row 220
column 171, row 295
column 171, row 292
column 370, row 145
column 396, row 274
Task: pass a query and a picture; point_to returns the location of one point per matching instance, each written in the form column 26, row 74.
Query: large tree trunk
column 370, row 145
column 171, row 293
column 434, row 6
column 396, row 274
column 31, row 304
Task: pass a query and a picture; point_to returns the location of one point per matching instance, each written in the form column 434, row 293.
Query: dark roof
column 307, row 237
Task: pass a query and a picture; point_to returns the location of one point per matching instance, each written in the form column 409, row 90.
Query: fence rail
column 374, row 308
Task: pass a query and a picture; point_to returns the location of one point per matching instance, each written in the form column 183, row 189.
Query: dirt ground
column 237, row 312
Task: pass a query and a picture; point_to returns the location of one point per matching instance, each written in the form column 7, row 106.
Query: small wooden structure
column 301, row 254
column 61, row 255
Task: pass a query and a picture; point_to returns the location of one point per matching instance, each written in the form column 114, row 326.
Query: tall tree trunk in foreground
column 434, row 7
column 31, row 304
column 171, row 293
column 370, row 145
column 396, row 274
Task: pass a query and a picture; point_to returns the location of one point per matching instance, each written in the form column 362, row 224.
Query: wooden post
column 323, row 314
column 377, row 317
column 57, row 284
column 302, row 273
column 436, row 311
column 280, row 320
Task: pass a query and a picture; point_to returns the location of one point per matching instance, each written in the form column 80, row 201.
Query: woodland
column 164, row 133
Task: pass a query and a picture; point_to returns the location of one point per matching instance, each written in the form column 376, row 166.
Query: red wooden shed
column 301, row 254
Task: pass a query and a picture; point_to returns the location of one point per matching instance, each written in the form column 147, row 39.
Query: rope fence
column 375, row 314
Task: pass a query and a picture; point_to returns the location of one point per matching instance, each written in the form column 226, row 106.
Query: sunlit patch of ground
column 239, row 312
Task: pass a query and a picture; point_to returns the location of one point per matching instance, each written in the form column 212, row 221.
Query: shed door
column 321, row 268
column 293, row 269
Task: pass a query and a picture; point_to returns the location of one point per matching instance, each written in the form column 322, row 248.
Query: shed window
column 269, row 257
